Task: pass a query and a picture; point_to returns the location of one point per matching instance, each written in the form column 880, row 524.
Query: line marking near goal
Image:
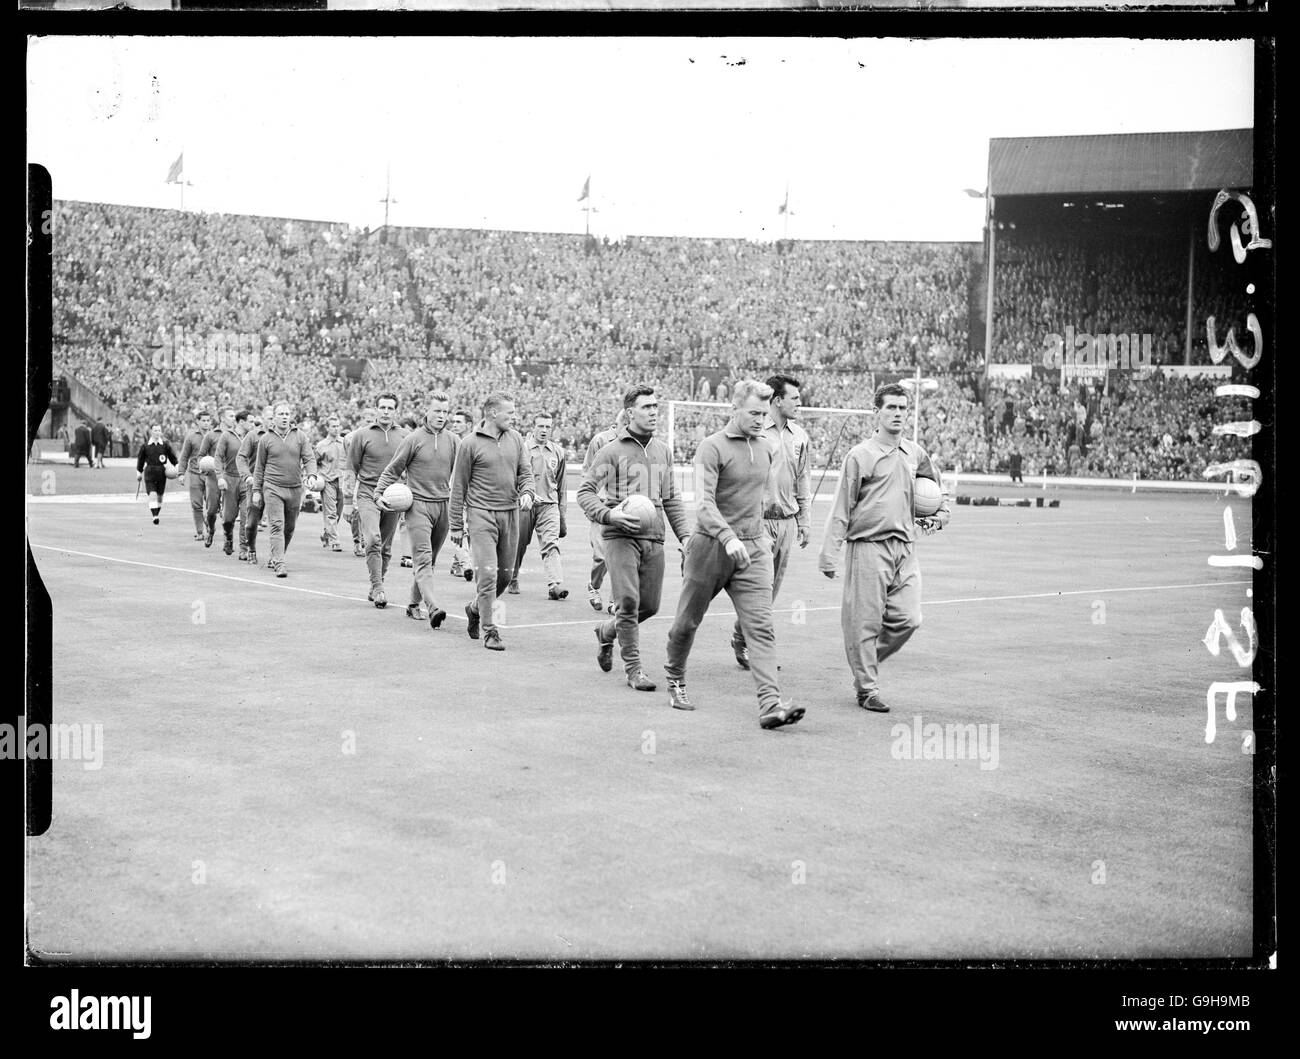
column 201, row 573
column 274, row 584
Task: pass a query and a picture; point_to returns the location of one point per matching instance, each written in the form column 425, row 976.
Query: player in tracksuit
column 151, row 465
column 785, row 504
column 462, row 563
column 331, row 455
column 348, row 484
column 547, row 515
column 730, row 550
column 282, row 454
column 426, row 456
column 597, row 577
column 212, row 496
column 373, row 449
column 491, row 482
column 250, row 514
column 224, row 450
column 881, row 608
column 634, row 462
column 190, row 474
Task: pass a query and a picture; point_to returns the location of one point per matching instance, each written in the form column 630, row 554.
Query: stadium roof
column 1145, row 161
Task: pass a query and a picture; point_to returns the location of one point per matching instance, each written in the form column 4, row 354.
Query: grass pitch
column 290, row 773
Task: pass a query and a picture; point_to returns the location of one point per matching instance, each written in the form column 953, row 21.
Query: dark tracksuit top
column 629, row 465
column 731, row 478
column 372, row 449
column 225, row 450
column 280, row 460
column 246, row 457
column 491, row 474
column 209, row 442
column 190, row 451
column 426, row 457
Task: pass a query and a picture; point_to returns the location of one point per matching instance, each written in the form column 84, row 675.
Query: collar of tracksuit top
column 437, row 437
column 740, row 435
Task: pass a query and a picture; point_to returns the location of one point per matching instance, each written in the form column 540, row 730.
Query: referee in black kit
column 151, row 465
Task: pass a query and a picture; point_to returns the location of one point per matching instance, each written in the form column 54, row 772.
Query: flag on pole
column 973, row 193
column 586, row 189
column 785, row 206
column 174, row 173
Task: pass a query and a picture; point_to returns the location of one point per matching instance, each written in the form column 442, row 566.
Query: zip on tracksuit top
column 280, row 458
column 625, row 466
column 426, row 456
column 373, row 449
column 731, row 475
column 491, row 473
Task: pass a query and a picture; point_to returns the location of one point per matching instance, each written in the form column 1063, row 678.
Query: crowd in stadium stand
column 1113, row 282
column 566, row 323
column 1153, row 428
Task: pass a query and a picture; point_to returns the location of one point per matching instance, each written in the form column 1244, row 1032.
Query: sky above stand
column 874, row 139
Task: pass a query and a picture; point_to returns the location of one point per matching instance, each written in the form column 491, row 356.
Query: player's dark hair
column 543, row 415
column 780, row 382
column 386, row 396
column 629, row 398
column 464, row 414
column 241, row 416
column 890, row 389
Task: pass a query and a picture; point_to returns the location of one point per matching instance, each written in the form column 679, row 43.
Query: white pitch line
column 201, row 573
column 924, row 603
column 658, row 617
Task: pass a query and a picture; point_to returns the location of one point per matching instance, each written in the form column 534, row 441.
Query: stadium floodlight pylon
column 829, row 446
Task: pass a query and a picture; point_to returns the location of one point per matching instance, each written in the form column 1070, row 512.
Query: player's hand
column 257, row 498
column 221, row 484
column 623, row 520
column 802, row 535
column 526, row 501
column 139, row 475
column 458, row 540
column 828, row 573
column 564, row 530
column 737, row 550
column 379, row 501
column 181, row 479
column 942, row 515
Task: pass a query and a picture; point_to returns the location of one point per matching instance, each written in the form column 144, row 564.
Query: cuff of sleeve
column 727, row 537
